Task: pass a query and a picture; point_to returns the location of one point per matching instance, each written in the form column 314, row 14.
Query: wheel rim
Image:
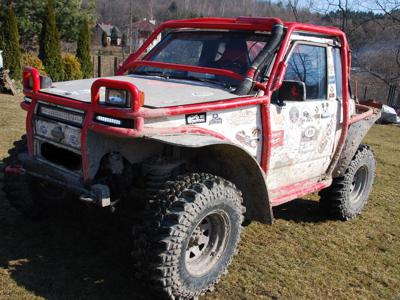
column 207, row 243
column 358, row 184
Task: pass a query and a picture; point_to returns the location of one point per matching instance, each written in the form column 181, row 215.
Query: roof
column 107, row 28
column 144, row 25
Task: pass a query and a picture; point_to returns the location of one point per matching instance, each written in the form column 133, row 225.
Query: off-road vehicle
column 210, row 128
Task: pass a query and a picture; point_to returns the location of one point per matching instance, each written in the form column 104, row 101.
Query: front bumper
column 97, row 194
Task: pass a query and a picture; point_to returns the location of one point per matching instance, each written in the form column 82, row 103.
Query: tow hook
column 99, row 195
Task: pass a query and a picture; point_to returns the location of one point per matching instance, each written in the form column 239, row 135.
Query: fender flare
column 357, row 132
column 230, row 161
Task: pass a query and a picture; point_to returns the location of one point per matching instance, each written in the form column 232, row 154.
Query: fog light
column 61, row 114
column 108, row 120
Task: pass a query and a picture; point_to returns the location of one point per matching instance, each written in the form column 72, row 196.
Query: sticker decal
column 216, row 119
column 325, row 111
column 309, row 134
column 249, row 140
column 326, row 137
column 277, row 138
column 294, row 114
column 196, row 118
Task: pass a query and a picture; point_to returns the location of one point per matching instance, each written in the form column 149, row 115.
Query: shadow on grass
column 300, row 211
column 74, row 257
column 65, row 258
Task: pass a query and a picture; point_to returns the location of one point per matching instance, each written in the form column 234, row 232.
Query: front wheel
column 194, row 235
column 347, row 195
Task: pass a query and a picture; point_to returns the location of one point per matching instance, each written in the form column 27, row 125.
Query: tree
column 83, row 50
column 12, row 52
column 72, row 67
column 104, row 39
column 69, row 16
column 50, row 51
column 114, row 36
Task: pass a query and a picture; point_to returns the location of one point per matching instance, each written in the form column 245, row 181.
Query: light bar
column 109, row 120
column 61, row 115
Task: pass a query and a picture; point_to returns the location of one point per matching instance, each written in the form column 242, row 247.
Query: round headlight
column 115, row 97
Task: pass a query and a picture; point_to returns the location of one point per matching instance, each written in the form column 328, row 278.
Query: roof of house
column 107, row 28
column 144, row 25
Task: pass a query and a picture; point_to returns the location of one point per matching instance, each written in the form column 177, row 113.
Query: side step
column 287, row 193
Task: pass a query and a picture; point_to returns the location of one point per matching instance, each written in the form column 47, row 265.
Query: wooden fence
column 105, row 65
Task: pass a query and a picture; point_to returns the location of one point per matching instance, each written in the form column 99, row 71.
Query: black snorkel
column 247, row 84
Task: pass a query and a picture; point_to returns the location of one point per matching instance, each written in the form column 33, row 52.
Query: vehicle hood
column 159, row 92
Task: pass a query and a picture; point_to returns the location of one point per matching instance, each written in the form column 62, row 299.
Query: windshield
column 234, row 51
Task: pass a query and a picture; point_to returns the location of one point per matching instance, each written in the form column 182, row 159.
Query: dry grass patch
column 302, row 255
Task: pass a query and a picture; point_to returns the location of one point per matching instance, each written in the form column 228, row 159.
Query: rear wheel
column 191, row 235
column 32, row 197
column 347, row 195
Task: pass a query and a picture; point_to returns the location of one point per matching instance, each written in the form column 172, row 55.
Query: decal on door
column 277, row 138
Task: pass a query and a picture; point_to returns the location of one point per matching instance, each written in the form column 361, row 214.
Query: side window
column 308, row 64
column 337, row 60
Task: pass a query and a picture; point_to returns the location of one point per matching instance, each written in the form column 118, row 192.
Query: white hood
column 159, row 92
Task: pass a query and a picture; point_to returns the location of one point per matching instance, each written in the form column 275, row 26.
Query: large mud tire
column 33, row 198
column 347, row 196
column 189, row 235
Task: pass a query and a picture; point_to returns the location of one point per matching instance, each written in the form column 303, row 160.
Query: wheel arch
column 357, row 132
column 202, row 153
column 230, row 161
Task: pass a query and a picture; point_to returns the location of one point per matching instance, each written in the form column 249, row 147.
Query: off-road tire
column 347, row 195
column 22, row 191
column 172, row 221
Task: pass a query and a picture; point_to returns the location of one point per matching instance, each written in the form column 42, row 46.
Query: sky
column 357, row 5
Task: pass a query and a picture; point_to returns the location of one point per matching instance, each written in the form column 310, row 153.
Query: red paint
column 298, row 190
column 368, row 111
column 27, row 74
column 14, row 170
column 119, row 85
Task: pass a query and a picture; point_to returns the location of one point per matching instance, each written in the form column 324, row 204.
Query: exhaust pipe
column 247, row 84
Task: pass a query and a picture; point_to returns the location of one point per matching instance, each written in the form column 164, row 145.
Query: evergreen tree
column 50, row 50
column 83, row 50
column 114, row 36
column 10, row 40
column 104, row 40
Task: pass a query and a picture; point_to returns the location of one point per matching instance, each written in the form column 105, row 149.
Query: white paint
column 309, row 134
column 242, row 126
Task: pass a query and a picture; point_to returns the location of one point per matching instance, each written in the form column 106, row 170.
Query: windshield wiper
column 206, row 80
column 152, row 73
column 190, row 78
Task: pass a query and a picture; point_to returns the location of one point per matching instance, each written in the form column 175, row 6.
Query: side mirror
column 292, row 90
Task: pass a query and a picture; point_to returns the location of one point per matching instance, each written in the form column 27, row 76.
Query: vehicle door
column 304, row 130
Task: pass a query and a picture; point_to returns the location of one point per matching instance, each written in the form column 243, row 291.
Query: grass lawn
column 302, row 256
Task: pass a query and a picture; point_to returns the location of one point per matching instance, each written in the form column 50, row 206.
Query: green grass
column 302, row 256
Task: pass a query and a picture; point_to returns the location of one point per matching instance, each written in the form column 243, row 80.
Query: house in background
column 100, row 29
column 142, row 30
